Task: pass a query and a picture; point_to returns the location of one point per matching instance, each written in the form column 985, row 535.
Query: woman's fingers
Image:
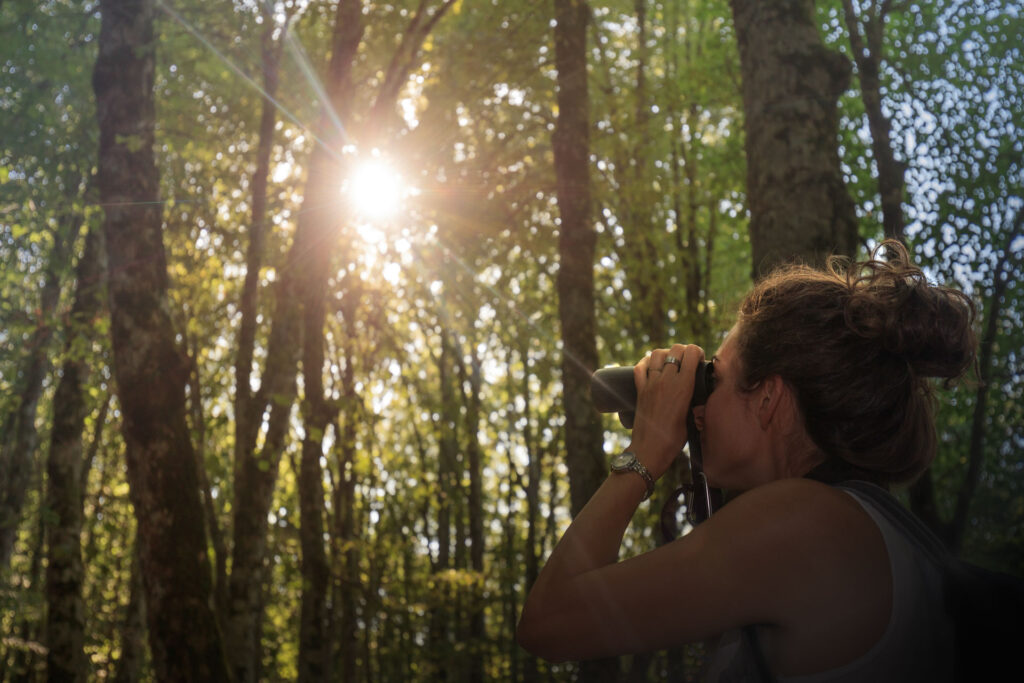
column 664, row 382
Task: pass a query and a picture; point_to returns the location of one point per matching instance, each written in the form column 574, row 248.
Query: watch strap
column 634, row 465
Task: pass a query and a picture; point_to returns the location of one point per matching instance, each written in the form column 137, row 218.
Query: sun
column 376, row 190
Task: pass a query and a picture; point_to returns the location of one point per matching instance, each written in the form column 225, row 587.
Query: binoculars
column 613, row 390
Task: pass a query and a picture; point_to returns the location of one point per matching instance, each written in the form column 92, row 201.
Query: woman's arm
column 591, row 542
column 570, row 588
column 788, row 555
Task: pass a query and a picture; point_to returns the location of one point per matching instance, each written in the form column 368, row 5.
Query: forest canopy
column 298, row 298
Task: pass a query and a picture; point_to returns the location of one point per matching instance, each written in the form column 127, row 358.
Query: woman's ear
column 771, row 395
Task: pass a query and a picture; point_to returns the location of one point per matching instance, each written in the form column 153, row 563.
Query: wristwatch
column 626, row 462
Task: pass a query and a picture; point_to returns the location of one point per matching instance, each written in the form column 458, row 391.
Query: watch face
column 622, row 460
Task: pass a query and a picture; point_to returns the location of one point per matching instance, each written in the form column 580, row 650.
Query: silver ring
column 671, row 360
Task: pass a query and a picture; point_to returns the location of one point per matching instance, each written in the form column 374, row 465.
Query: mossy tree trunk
column 65, row 609
column 149, row 369
column 799, row 206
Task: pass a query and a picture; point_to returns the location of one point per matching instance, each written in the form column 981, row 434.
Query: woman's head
column 856, row 344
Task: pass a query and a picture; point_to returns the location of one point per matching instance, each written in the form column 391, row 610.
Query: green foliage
column 951, row 87
column 470, row 261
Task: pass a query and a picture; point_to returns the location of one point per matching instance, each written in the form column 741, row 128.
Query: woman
column 823, row 377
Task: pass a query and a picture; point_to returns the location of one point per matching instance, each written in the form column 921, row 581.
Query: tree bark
column 256, row 472
column 321, row 220
column 448, row 487
column 531, row 674
column 477, row 631
column 194, row 404
column 799, row 206
column 320, row 225
column 65, row 610
column 642, row 259
column 254, row 477
column 576, row 244
column 149, row 369
column 133, row 656
column 347, row 554
column 18, row 434
column 315, row 651
column 867, row 55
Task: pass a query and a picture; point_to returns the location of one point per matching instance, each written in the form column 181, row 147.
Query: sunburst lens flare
column 375, row 190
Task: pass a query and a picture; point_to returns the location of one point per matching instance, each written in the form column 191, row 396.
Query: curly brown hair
column 857, row 343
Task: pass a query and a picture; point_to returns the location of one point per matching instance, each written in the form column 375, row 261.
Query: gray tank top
column 917, row 644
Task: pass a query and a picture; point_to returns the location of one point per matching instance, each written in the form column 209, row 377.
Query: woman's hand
column 664, row 385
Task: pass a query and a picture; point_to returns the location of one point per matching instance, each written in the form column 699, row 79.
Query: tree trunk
column 477, row 631
column 922, row 493
column 531, row 674
column 976, row 453
column 345, row 551
column 194, row 404
column 799, row 206
column 303, row 278
column 133, row 655
column 65, row 610
column 348, row 556
column 256, row 472
column 314, row 662
column 150, row 371
column 642, row 260
column 447, row 484
column 253, row 486
column 315, row 655
column 321, row 221
column 18, row 434
column 576, row 243
column 868, row 57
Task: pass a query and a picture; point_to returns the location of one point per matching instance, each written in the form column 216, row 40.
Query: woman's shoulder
column 798, row 505
column 800, row 534
column 827, row 563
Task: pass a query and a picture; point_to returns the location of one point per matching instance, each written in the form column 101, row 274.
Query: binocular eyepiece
column 613, row 390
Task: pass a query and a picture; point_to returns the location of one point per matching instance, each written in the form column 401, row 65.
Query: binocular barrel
column 613, row 390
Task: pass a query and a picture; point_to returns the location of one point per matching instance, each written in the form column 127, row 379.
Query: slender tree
column 150, row 371
column 66, row 470
column 477, row 630
column 384, row 418
column 254, row 476
column 131, row 662
column 576, row 245
column 322, row 223
column 18, row 433
column 866, row 30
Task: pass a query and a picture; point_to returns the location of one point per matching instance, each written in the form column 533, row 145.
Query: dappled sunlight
column 365, row 270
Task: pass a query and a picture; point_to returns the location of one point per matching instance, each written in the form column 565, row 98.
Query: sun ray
column 296, row 51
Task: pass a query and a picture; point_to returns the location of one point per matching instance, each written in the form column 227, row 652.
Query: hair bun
column 927, row 326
